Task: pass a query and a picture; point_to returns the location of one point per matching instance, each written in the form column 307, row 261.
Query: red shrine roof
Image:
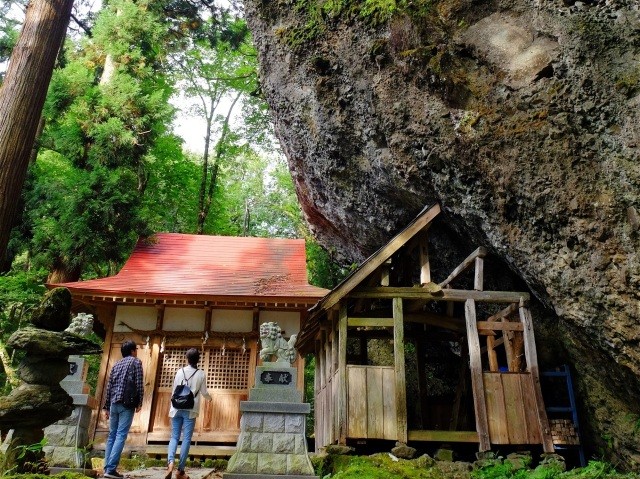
column 200, row 266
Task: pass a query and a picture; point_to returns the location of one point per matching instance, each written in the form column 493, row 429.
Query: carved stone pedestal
column 272, row 442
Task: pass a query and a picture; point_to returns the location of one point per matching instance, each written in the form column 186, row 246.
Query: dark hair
column 128, row 347
column 193, row 356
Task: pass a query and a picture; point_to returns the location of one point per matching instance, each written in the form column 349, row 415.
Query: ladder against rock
column 557, row 388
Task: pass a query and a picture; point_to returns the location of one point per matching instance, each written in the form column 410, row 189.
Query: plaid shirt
column 115, row 386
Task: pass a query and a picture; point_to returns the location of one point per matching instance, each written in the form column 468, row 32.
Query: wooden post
column 321, row 412
column 316, row 394
column 384, row 273
column 425, row 269
column 461, row 390
column 491, row 352
column 342, row 374
column 150, row 388
column 108, row 314
column 207, row 319
column 328, row 366
column 363, row 358
column 159, row 316
column 531, row 357
column 478, row 279
column 477, row 384
column 422, row 379
column 256, row 319
column 322, row 359
column 401, row 384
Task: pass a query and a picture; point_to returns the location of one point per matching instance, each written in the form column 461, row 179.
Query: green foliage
column 318, row 14
column 8, row 33
column 215, row 464
column 377, row 12
column 21, row 459
column 552, row 470
column 324, row 271
column 20, row 291
column 309, row 391
column 170, row 201
column 61, row 475
column 106, row 140
column 382, row 466
column 81, row 216
column 377, row 466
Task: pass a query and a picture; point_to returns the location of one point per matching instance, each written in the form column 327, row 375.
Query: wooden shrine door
column 230, row 374
column 138, row 431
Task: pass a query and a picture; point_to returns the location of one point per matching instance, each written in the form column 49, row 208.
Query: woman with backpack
column 185, row 406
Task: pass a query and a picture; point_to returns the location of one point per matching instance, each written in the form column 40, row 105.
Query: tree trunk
column 204, row 209
column 62, row 272
column 22, row 97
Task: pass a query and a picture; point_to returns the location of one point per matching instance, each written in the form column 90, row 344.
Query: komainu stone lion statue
column 273, row 344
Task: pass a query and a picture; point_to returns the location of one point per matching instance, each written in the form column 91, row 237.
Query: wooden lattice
column 172, row 360
column 225, row 369
column 229, row 370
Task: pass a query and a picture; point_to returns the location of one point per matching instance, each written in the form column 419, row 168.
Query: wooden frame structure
column 392, row 299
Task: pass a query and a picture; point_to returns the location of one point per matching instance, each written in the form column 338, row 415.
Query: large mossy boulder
column 54, row 312
column 34, row 405
column 41, row 342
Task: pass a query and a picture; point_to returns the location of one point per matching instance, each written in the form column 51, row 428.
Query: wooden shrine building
column 178, row 291
column 403, row 358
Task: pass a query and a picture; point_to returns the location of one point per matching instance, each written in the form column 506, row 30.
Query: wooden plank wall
column 511, row 410
column 371, row 408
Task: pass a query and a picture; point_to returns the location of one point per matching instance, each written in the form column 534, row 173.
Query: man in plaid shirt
column 119, row 416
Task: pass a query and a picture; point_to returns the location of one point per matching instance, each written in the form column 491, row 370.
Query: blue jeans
column 181, row 422
column 120, row 419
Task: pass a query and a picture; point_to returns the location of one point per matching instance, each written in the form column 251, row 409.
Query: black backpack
column 182, row 397
column 130, row 397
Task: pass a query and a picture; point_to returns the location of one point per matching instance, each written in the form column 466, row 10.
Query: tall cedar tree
column 22, row 96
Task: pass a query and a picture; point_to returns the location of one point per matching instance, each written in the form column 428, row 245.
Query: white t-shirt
column 197, row 384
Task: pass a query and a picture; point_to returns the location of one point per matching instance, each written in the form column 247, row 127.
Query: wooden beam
column 438, row 320
column 458, row 295
column 504, row 313
column 468, row 261
column 443, row 436
column 496, row 343
column 475, row 362
column 342, row 374
column 374, row 261
column 500, row 326
column 399, row 363
column 531, row 356
column 370, row 322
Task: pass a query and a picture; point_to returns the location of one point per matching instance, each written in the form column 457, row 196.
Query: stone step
column 194, row 451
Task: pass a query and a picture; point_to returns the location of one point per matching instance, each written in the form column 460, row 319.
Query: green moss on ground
column 382, row 466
